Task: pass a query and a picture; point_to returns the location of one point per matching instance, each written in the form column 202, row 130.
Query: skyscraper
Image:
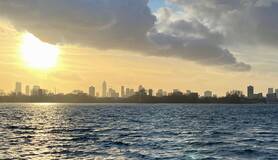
column 27, row 90
column 122, row 91
column 92, row 91
column 104, row 89
column 250, row 91
column 150, row 92
column 18, row 88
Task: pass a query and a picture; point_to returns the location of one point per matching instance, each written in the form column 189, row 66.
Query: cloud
column 98, row 23
column 241, row 22
column 125, row 25
column 190, row 39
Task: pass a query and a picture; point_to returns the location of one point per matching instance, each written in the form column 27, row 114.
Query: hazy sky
column 187, row 44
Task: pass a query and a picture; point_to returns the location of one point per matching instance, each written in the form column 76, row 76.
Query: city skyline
column 123, row 94
column 125, row 91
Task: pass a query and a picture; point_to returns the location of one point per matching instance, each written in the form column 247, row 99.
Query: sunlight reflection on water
column 138, row 131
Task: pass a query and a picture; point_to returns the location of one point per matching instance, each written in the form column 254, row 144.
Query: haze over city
column 189, row 45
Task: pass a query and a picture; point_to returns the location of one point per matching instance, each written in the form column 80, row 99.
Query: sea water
column 139, row 131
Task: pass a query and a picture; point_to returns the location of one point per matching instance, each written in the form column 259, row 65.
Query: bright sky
column 156, row 4
column 164, row 48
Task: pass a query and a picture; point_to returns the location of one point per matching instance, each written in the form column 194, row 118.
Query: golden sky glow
column 175, row 45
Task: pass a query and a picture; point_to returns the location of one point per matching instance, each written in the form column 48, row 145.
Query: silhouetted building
column 18, row 88
column 140, row 88
column 142, row 92
column 122, row 91
column 176, row 92
column 208, row 94
column 194, row 95
column 150, row 92
column 27, row 90
column 250, row 92
column 78, row 92
column 276, row 91
column 234, row 93
column 271, row 98
column 35, row 90
column 112, row 93
column 132, row 92
column 127, row 92
column 92, row 91
column 270, row 91
column 104, row 89
column 159, row 93
column 258, row 96
column 42, row 92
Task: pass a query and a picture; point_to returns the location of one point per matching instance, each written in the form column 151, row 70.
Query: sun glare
column 38, row 54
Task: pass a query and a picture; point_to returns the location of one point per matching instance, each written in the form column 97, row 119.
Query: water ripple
column 138, row 131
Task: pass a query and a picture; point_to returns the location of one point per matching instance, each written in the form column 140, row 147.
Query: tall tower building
column 18, row 88
column 104, row 89
column 250, row 91
column 27, row 90
column 92, row 91
column 150, row 92
column 122, row 91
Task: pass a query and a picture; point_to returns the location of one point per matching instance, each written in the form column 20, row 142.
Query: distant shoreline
column 134, row 99
column 124, row 103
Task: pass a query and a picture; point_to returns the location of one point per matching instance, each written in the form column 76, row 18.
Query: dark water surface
column 138, row 131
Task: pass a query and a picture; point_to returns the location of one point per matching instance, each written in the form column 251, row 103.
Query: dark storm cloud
column 122, row 24
column 99, row 23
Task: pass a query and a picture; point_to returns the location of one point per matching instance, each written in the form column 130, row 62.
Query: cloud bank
column 244, row 22
column 106, row 24
column 198, row 30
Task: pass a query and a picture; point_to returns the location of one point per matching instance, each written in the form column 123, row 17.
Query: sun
column 37, row 54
